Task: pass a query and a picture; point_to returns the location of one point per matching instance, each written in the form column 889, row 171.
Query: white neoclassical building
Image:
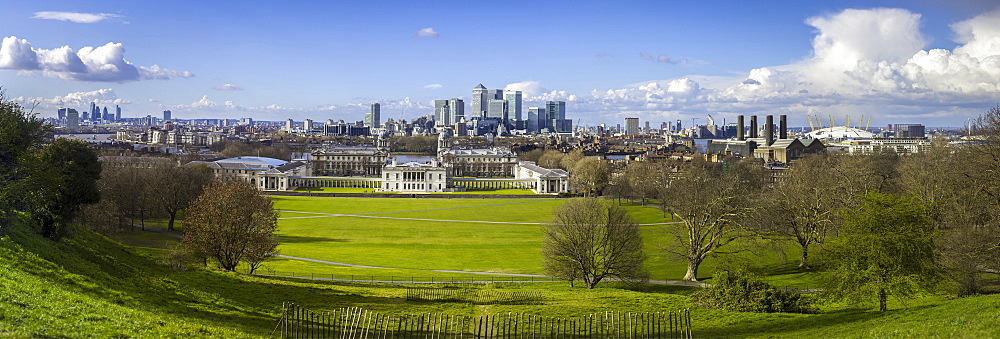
column 415, row 177
column 267, row 174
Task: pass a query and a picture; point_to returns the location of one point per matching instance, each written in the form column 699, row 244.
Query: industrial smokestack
column 783, row 127
column 753, row 126
column 739, row 129
column 769, row 130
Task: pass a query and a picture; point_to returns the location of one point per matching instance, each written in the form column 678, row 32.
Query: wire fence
column 298, row 322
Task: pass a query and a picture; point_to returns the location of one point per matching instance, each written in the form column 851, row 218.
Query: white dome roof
column 840, row 132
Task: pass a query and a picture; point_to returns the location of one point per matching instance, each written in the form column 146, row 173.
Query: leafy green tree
column 593, row 240
column 885, row 248
column 73, row 171
column 231, row 222
column 21, row 136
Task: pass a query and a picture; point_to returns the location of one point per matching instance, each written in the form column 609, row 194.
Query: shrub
column 741, row 291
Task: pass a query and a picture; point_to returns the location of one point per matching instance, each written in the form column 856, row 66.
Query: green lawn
column 450, row 242
column 85, row 285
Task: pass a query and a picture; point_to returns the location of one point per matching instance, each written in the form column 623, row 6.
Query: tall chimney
column 783, row 126
column 753, row 126
column 739, row 129
column 769, row 130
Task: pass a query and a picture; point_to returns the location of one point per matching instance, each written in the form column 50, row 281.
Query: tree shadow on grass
column 292, row 239
column 795, row 323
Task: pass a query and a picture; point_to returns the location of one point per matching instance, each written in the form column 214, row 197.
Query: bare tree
column 177, row 186
column 230, row 222
column 592, row 240
column 713, row 202
column 591, row 175
column 805, row 205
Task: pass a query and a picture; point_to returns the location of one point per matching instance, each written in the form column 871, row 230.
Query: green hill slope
column 87, row 285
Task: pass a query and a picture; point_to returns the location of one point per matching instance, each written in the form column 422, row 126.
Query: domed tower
column 383, row 141
column 444, row 141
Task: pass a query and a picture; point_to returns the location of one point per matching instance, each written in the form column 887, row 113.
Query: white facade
column 546, row 180
column 414, row 177
column 267, row 174
column 898, row 145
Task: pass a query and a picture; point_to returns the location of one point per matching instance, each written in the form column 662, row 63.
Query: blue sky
column 657, row 60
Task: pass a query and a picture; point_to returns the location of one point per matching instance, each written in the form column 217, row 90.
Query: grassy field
column 88, row 286
column 484, row 235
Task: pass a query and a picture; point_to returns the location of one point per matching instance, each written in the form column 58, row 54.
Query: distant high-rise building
column 289, row 124
column 536, row 119
column 646, row 129
column 85, row 116
column 513, row 99
column 497, row 108
column 106, row 117
column 678, row 127
column 631, row 126
column 246, row 121
column 72, row 119
column 479, row 101
column 448, row 112
column 61, row 114
column 374, row 117
column 555, row 109
column 307, row 125
column 166, row 115
column 93, row 109
column 118, row 113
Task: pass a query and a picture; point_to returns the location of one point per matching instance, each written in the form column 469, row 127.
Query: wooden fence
column 474, row 296
column 298, row 322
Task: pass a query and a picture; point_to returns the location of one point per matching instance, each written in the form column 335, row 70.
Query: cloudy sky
column 923, row 61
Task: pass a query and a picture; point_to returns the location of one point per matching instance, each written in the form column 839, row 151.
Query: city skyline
column 928, row 62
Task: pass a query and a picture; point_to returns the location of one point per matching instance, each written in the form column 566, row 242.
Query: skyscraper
column 479, row 101
column 93, row 109
column 448, row 112
column 289, row 124
column 72, row 119
column 513, row 99
column 105, row 116
column 166, row 115
column 307, row 125
column 374, row 117
column 118, row 113
column 61, row 114
column 536, row 119
column 556, row 110
column 631, row 126
column 497, row 109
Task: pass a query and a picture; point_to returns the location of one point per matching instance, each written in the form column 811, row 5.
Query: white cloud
column 103, row 97
column 80, row 18
column 427, row 33
column 102, row 64
column 228, row 87
column 433, row 86
column 17, row 54
column 863, row 61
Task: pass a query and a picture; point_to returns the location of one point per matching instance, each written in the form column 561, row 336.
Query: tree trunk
column 170, row 224
column 882, row 299
column 692, row 270
column 805, row 256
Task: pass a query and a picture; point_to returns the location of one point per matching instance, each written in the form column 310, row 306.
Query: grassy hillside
column 86, row 285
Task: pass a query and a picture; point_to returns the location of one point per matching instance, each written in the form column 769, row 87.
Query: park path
column 364, row 215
